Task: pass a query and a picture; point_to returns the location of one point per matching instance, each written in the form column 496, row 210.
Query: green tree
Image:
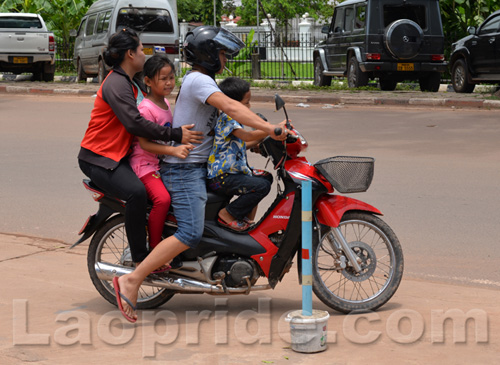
column 228, row 7
column 22, row 6
column 458, row 15
column 189, row 10
column 60, row 15
column 283, row 11
column 199, row 10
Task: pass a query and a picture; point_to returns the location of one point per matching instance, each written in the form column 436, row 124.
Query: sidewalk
column 443, row 98
column 51, row 314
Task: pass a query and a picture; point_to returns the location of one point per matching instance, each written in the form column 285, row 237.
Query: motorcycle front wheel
column 108, row 245
column 337, row 284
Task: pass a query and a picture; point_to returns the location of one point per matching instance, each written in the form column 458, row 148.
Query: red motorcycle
column 356, row 257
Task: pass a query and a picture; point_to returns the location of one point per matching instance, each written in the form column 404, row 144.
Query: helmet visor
column 229, row 42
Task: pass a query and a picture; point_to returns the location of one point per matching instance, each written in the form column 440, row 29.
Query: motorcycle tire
column 108, row 245
column 374, row 242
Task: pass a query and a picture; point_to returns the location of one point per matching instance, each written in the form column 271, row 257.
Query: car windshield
column 411, row 12
column 17, row 22
column 145, row 20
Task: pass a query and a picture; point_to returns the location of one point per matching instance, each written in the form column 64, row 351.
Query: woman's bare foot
column 129, row 290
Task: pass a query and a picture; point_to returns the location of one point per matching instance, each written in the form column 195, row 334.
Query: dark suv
column 392, row 40
column 475, row 58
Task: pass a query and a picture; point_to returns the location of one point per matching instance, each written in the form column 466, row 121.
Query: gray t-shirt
column 191, row 108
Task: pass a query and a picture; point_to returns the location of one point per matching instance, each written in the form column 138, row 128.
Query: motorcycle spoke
column 368, row 243
column 111, row 250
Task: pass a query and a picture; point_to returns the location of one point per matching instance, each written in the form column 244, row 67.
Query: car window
column 89, row 29
column 406, row 11
column 103, row 22
column 81, row 27
column 359, row 21
column 20, row 22
column 145, row 20
column 491, row 26
column 338, row 24
column 349, row 19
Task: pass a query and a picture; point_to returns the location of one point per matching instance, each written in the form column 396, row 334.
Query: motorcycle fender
column 330, row 208
column 93, row 223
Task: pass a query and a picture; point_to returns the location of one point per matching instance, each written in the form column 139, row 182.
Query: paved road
column 435, row 180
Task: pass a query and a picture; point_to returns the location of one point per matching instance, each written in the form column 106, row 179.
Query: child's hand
column 189, row 136
column 182, row 151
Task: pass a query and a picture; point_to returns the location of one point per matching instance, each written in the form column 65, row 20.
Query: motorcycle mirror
column 280, row 103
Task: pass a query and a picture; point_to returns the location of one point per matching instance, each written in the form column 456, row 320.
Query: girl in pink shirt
column 159, row 77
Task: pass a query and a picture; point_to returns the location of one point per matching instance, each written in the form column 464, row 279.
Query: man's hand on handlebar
column 280, row 132
column 189, row 136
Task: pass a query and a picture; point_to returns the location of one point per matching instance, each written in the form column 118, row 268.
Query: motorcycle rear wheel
column 108, row 245
column 374, row 242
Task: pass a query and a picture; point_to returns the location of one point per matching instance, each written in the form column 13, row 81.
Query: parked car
column 475, row 58
column 392, row 40
column 27, row 46
column 154, row 20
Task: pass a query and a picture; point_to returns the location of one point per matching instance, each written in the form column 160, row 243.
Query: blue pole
column 306, row 248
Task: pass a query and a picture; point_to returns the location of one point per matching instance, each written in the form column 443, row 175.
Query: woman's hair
column 234, row 87
column 155, row 63
column 119, row 44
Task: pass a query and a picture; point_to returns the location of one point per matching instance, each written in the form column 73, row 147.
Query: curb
column 292, row 99
column 381, row 101
column 33, row 90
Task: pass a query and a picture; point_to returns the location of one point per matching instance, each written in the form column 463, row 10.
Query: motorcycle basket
column 347, row 174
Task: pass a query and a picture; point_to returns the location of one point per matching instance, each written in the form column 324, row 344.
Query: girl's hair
column 155, row 63
column 234, row 87
column 119, row 44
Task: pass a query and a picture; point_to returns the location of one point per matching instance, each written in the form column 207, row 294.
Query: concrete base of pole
column 308, row 333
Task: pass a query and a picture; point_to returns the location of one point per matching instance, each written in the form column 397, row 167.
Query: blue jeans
column 186, row 183
column 251, row 190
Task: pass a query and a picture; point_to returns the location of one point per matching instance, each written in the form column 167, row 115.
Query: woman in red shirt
column 114, row 121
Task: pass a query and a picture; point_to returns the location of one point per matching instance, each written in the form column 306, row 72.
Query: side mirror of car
column 325, row 29
column 72, row 33
column 471, row 30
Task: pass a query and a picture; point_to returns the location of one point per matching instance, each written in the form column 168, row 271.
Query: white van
column 154, row 20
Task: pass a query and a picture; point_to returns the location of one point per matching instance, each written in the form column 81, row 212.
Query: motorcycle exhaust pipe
column 106, row 271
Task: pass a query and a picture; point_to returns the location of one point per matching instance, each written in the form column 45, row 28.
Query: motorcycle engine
column 235, row 270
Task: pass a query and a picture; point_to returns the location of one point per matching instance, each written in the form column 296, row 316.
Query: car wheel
column 430, row 82
column 48, row 76
column 80, row 74
column 403, row 38
column 355, row 77
column 101, row 73
column 460, row 77
column 319, row 78
column 37, row 73
column 387, row 84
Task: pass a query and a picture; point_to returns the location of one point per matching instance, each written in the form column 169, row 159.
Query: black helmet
column 202, row 46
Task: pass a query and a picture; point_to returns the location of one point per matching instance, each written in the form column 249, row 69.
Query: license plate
column 20, row 59
column 406, row 67
column 148, row 51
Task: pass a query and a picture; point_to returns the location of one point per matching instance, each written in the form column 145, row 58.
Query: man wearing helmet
column 198, row 102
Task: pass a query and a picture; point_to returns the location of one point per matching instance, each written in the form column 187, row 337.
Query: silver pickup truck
column 26, row 46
